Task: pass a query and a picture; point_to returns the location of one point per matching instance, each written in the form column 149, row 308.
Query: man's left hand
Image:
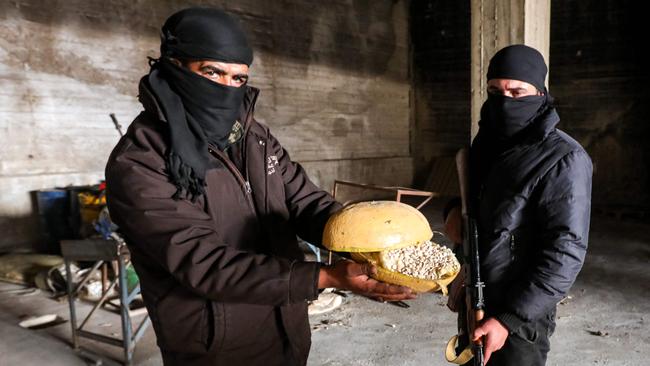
column 349, row 275
column 495, row 336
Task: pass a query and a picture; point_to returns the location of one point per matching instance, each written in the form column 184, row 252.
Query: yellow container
column 366, row 229
column 90, row 205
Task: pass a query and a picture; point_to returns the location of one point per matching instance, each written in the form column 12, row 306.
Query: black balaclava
column 505, row 116
column 198, row 110
column 505, row 120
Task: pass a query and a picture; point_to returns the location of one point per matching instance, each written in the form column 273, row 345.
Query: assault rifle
column 474, row 300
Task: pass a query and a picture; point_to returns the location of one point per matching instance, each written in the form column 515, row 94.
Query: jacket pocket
column 185, row 323
column 249, row 327
column 550, row 323
column 528, row 333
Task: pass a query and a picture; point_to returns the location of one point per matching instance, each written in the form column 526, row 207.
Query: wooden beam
column 499, row 23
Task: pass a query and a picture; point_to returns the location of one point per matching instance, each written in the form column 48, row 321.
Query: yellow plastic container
column 366, row 229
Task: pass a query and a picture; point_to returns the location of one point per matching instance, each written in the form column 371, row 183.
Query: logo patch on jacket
column 271, row 163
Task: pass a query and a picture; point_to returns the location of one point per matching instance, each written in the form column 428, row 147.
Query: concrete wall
column 597, row 76
column 333, row 75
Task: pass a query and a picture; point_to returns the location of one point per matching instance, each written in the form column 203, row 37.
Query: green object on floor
column 132, row 279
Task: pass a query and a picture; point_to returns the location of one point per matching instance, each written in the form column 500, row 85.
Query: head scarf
column 199, row 111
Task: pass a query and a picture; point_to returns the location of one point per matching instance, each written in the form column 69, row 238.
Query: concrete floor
column 605, row 322
column 611, row 297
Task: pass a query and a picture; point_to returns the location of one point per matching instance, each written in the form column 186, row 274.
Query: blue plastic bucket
column 54, row 212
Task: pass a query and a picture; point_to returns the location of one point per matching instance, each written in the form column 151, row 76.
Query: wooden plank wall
column 334, row 80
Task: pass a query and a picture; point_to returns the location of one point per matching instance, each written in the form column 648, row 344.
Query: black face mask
column 212, row 106
column 505, row 116
column 199, row 112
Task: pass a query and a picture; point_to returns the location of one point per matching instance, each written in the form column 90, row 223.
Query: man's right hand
column 494, row 336
column 349, row 275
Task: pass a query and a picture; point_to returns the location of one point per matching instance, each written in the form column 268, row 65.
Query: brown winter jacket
column 223, row 278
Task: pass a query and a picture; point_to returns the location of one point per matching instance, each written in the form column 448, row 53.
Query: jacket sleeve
column 309, row 206
column 563, row 213
column 179, row 237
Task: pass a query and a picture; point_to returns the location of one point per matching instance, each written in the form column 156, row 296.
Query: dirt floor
column 603, row 322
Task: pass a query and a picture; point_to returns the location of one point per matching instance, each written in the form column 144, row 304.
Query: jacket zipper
column 247, row 125
column 512, row 247
column 243, row 158
column 245, row 184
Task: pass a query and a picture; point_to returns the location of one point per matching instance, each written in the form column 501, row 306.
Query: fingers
column 369, row 269
column 479, row 333
column 486, row 357
column 390, row 298
column 386, row 292
column 353, row 269
column 490, row 347
column 358, row 280
column 494, row 334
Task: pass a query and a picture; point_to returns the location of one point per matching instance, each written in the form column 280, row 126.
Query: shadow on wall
column 357, row 36
column 40, row 231
column 19, row 234
column 57, row 214
column 621, row 158
column 599, row 77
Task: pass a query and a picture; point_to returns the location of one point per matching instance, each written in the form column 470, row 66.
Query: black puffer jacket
column 533, row 204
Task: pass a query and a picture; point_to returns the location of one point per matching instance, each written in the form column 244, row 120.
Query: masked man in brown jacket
column 210, row 205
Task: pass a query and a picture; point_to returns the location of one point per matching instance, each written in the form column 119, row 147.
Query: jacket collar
column 540, row 129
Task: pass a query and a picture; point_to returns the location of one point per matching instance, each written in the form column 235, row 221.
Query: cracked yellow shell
column 375, row 226
column 365, row 229
column 396, row 278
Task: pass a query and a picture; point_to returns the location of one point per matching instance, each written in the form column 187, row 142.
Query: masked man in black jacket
column 531, row 195
column 211, row 204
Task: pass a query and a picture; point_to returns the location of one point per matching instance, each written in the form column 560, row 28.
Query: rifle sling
column 463, row 357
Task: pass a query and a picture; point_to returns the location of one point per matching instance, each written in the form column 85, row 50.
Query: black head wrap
column 208, row 33
column 519, row 62
column 198, row 110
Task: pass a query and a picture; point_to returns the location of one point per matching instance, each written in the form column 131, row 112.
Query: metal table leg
column 73, row 313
